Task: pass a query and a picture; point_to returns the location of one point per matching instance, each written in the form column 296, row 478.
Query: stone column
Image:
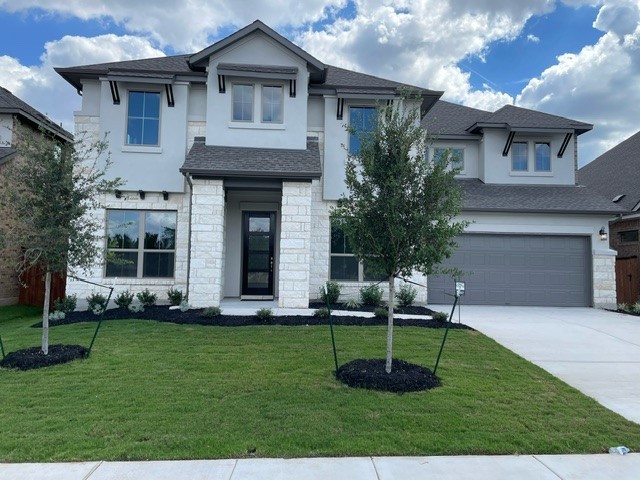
column 604, row 279
column 207, row 243
column 295, row 245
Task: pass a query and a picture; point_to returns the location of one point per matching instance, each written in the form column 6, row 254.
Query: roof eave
column 205, row 172
column 543, row 210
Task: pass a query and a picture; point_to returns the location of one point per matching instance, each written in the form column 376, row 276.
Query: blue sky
column 576, row 58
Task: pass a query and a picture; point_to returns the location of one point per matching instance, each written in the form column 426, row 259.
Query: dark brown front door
column 627, row 285
column 258, row 239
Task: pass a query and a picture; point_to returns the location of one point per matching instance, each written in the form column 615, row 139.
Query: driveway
column 595, row 351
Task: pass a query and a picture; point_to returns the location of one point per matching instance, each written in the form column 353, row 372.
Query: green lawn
column 162, row 391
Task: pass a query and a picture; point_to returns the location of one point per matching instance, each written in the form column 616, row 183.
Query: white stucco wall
column 471, row 150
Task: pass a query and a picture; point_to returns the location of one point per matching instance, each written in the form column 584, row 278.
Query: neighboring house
column 234, row 156
column 616, row 175
column 14, row 112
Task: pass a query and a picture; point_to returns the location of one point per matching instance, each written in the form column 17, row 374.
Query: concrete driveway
column 595, row 351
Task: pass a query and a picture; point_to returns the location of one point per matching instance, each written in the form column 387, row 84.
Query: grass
column 162, row 391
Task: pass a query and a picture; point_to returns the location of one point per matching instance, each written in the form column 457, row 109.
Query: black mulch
column 194, row 317
column 371, row 374
column 410, row 310
column 30, row 358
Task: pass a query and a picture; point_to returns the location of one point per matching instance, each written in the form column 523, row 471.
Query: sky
column 575, row 58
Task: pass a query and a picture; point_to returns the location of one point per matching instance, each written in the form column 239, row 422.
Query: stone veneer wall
column 604, row 280
column 295, row 245
column 207, row 243
column 195, row 129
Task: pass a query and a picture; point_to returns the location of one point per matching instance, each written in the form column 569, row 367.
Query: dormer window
column 272, row 97
column 456, row 156
column 143, row 118
column 242, row 102
column 543, row 157
column 519, row 157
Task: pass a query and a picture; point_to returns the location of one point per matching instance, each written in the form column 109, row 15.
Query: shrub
column 321, row 313
column 353, row 304
column 371, row 295
column 96, row 303
column 184, row 306
column 440, row 316
column 406, row 295
column 136, row 306
column 57, row 315
column 381, row 312
column 124, row 299
column 332, row 294
column 66, row 304
column 211, row 312
column 147, row 298
column 175, row 296
column 264, row 314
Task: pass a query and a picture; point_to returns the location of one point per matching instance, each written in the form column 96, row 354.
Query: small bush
column 147, row 298
column 371, row 295
column 96, row 303
column 353, row 304
column 635, row 308
column 57, row 315
column 321, row 313
column 406, row 295
column 124, row 299
column 184, row 306
column 136, row 306
column 381, row 312
column 333, row 292
column 66, row 304
column 211, row 312
column 175, row 296
column 264, row 314
column 440, row 316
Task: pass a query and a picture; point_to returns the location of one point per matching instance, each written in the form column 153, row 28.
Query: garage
column 538, row 270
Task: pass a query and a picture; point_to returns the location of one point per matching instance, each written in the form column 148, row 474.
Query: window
column 242, row 103
column 363, row 120
column 543, row 157
column 145, row 242
column 344, row 265
column 272, row 104
column 143, row 118
column 519, row 157
column 628, row 236
column 456, row 156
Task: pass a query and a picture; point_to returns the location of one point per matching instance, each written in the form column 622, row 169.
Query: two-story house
column 234, row 156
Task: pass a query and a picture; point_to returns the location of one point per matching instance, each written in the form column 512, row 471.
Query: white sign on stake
column 459, row 288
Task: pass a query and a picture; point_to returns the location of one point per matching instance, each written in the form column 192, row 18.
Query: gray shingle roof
column 9, row 103
column 242, row 67
column 518, row 117
column 451, row 119
column 479, row 196
column 5, row 153
column 616, row 172
column 220, row 161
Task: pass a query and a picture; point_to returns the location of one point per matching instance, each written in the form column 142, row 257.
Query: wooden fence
column 32, row 290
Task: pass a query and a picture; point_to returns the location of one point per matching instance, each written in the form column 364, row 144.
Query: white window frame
column 262, row 102
column 451, row 148
column 126, row 125
column 535, row 159
column 528, row 165
column 253, row 100
column 531, row 170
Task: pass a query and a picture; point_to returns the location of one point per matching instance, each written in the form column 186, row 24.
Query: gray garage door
column 543, row 270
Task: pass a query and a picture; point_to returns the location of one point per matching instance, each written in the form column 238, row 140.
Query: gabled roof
column 481, row 197
column 9, row 103
column 200, row 59
column 616, row 172
column 222, row 161
column 449, row 120
column 5, row 153
column 522, row 119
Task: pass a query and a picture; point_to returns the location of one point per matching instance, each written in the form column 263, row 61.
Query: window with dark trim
column 143, row 241
column 628, row 236
column 343, row 265
column 363, row 120
column 143, row 118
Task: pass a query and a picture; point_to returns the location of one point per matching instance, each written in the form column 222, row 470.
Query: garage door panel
column 519, row 270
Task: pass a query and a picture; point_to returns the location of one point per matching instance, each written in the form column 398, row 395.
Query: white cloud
column 42, row 88
column 533, row 39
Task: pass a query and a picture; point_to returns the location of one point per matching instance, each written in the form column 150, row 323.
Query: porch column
column 295, row 245
column 207, row 243
column 604, row 279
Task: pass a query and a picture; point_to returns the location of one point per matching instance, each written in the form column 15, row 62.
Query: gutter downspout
column 188, row 177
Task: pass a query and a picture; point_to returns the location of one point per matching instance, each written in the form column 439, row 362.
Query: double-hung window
column 543, row 157
column 143, row 118
column 456, row 156
column 242, row 102
column 143, row 243
column 363, row 121
column 272, row 98
column 520, row 157
column 344, row 265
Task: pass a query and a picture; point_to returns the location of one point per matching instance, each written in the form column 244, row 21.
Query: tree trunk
column 390, row 305
column 45, row 313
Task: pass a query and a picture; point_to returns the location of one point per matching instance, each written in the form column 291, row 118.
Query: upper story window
column 242, row 102
column 143, row 118
column 272, row 98
column 144, row 240
column 519, row 157
column 363, row 120
column 456, row 156
column 543, row 157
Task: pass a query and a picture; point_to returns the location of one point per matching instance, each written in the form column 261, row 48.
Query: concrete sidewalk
column 525, row 467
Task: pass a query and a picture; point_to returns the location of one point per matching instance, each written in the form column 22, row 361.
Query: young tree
column 51, row 189
column 399, row 215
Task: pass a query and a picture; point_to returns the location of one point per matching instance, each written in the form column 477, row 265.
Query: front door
column 258, row 240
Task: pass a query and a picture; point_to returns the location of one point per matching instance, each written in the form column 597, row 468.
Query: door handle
column 271, row 264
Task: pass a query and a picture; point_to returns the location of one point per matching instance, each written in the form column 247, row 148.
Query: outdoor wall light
column 165, row 195
column 118, row 193
column 603, row 234
column 141, row 193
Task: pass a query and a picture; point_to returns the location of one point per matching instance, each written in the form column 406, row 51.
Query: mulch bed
column 371, row 374
column 410, row 310
column 195, row 317
column 30, row 358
